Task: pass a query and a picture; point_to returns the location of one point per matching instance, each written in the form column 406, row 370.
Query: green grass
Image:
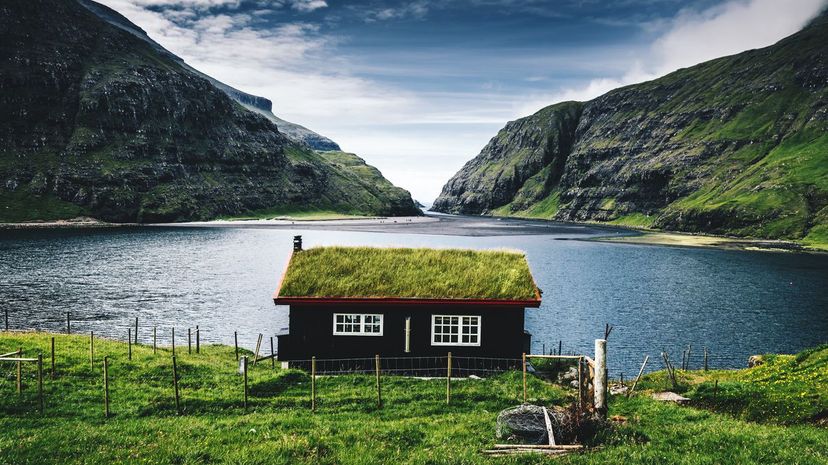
column 408, row 273
column 21, row 205
column 634, row 220
column 414, row 426
column 543, row 209
column 786, row 389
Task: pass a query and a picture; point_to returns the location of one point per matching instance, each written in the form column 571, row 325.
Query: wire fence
column 434, row 366
column 142, row 378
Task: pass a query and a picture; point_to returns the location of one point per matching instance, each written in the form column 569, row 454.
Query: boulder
column 755, row 361
column 668, row 396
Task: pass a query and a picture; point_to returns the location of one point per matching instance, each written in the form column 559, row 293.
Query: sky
column 417, row 88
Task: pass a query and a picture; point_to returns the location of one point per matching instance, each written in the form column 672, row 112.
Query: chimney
column 297, row 243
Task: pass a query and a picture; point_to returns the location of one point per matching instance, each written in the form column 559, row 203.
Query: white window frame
column 459, row 325
column 362, row 324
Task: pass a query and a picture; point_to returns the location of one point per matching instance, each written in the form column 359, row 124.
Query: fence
column 115, row 376
column 411, row 366
column 171, row 380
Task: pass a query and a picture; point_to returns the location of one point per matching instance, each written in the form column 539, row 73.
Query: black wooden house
column 352, row 302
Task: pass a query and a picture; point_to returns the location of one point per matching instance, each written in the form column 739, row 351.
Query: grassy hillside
column 785, row 389
column 733, row 146
column 413, row 427
column 126, row 132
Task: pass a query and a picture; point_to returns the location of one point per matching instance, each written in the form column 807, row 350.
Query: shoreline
column 677, row 239
column 442, row 224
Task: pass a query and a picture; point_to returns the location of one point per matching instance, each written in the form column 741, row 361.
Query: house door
column 407, row 336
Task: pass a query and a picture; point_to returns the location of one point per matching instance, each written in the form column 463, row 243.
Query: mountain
column 100, row 121
column 255, row 103
column 736, row 146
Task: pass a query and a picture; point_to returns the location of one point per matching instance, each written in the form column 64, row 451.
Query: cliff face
column 97, row 121
column 261, row 105
column 737, row 145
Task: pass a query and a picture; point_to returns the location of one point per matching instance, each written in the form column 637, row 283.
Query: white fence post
column 600, row 381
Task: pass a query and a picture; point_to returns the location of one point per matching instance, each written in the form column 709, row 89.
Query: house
column 351, row 302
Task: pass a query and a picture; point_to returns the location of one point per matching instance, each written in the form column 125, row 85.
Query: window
column 455, row 330
column 357, row 324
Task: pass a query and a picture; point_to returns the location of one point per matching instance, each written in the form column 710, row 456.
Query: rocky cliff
column 99, row 122
column 737, row 145
column 261, row 105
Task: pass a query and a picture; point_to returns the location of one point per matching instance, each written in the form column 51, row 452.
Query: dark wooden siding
column 311, row 332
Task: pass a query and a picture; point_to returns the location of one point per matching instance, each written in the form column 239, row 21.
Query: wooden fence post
column 705, row 359
column 154, row 340
column 236, row 342
column 689, row 351
column 272, row 355
column 136, row 330
column 40, row 381
column 68, row 326
column 198, row 340
column 448, row 379
column 580, row 383
column 189, row 341
column 129, row 342
column 671, row 374
column 53, row 357
column 173, row 341
column 524, row 377
column 244, row 369
column 19, row 371
column 379, row 389
column 646, row 357
column 106, row 385
column 258, row 346
column 92, row 349
column 600, row 381
column 175, row 386
column 313, row 384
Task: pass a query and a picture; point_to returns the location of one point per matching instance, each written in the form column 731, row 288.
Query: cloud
column 308, row 5
column 693, row 37
column 417, row 10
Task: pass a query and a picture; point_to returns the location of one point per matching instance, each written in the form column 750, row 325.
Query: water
column 736, row 303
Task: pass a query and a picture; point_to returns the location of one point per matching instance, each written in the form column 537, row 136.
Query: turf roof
column 407, row 273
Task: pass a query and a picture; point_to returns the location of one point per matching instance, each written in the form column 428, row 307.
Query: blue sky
column 418, row 87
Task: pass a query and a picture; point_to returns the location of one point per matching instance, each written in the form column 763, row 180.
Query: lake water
column 736, row 303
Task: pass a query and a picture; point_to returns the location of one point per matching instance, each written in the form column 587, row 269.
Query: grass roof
column 368, row 272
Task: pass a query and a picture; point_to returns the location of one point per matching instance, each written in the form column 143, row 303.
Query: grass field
column 415, row 426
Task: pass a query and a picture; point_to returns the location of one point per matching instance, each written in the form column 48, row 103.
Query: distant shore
column 697, row 240
column 456, row 225
column 74, row 223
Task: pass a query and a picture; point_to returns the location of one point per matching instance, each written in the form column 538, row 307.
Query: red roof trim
column 535, row 303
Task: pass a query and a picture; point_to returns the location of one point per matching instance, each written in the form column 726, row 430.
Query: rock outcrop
column 736, row 145
column 99, row 122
